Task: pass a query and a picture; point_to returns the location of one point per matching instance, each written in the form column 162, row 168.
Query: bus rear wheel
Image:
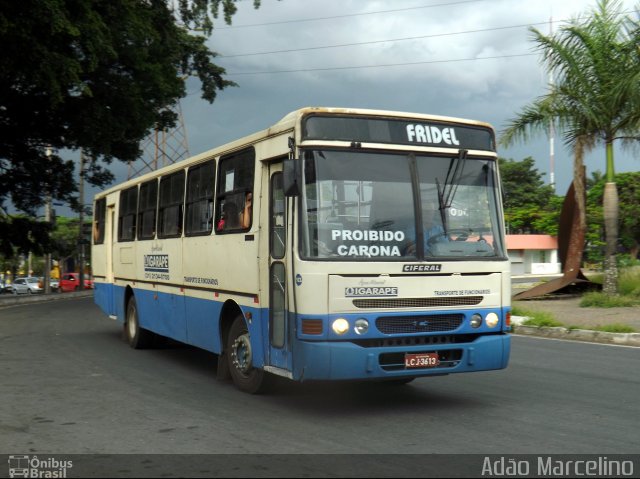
column 137, row 337
column 240, row 359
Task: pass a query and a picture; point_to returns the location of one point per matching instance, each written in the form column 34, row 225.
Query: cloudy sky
column 467, row 58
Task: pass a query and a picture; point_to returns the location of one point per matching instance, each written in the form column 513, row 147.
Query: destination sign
column 404, row 132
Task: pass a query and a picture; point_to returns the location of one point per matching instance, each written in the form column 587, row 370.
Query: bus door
column 279, row 328
column 110, row 244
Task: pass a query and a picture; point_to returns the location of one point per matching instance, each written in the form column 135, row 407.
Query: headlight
column 361, row 326
column 340, row 326
column 492, row 320
column 476, row 320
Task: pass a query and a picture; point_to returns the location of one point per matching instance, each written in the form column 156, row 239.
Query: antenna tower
column 552, row 132
column 162, row 148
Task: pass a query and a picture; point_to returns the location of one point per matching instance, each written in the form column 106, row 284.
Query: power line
column 372, row 42
column 380, row 66
column 434, row 35
column 346, row 15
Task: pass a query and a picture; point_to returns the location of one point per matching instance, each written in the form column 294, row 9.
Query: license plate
column 424, row 360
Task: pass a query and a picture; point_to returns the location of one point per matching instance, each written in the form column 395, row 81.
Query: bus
column 338, row 244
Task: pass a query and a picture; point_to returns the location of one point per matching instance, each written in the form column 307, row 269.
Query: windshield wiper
column 447, row 192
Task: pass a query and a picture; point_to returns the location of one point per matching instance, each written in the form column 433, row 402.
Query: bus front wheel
column 240, row 359
column 137, row 337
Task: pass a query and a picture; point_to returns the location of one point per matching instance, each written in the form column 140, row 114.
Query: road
column 72, row 386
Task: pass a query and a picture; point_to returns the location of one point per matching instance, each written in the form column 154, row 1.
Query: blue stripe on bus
column 186, row 319
column 195, row 321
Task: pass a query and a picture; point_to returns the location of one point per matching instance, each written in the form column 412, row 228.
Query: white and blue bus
column 339, row 244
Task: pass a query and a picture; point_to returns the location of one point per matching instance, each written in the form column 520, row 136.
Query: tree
column 522, row 183
column 91, row 75
column 594, row 100
column 528, row 203
column 629, row 192
column 65, row 239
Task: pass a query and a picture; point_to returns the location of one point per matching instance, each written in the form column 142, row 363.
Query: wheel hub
column 241, row 354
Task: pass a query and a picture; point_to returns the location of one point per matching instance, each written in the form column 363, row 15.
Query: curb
column 41, row 298
column 585, row 335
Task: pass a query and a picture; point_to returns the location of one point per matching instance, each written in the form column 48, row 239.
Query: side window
column 199, row 207
column 234, row 208
column 278, row 238
column 171, row 205
column 99, row 212
column 147, row 210
column 127, row 214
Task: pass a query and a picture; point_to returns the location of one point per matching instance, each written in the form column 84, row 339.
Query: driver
column 433, row 231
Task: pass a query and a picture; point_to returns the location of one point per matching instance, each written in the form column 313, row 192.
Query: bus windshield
column 386, row 206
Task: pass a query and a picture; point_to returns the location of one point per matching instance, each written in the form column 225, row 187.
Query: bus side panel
column 103, row 297
column 118, row 302
column 148, row 310
column 203, row 327
column 203, row 323
column 167, row 316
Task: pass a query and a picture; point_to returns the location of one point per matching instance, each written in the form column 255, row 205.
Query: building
column 533, row 254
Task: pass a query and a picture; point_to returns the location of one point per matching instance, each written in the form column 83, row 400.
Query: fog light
column 476, row 320
column 492, row 320
column 361, row 326
column 340, row 326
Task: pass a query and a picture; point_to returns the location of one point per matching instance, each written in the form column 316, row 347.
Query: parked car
column 71, row 282
column 53, row 284
column 26, row 285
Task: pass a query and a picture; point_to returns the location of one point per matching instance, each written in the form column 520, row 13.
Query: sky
column 464, row 58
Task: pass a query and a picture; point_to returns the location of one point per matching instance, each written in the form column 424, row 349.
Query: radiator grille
column 407, row 341
column 416, row 302
column 419, row 324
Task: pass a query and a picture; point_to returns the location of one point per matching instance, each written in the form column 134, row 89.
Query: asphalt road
column 70, row 385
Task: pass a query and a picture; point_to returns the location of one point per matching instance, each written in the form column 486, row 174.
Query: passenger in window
column 96, row 231
column 230, row 218
column 245, row 217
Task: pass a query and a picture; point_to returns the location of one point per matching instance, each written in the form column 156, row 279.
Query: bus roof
column 287, row 123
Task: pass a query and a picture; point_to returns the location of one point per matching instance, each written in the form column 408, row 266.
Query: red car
column 71, row 282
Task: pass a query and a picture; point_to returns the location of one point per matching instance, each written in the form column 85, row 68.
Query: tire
column 239, row 358
column 137, row 337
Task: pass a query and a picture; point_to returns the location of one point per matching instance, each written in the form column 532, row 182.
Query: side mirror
column 292, row 177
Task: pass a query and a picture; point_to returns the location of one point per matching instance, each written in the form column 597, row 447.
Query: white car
column 26, row 285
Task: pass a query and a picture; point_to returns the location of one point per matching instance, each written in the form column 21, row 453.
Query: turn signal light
column 312, row 326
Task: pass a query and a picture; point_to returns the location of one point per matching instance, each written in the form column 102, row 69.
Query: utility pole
column 81, row 222
column 47, row 218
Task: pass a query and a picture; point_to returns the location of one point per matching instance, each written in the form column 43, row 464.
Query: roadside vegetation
column 628, row 291
column 629, row 296
column 541, row 319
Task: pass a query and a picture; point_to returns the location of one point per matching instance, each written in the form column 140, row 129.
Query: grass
column 542, row 319
column 628, row 291
column 598, row 299
column 536, row 318
column 629, row 283
column 615, row 328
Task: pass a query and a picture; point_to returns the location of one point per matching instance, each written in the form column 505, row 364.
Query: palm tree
column 594, row 100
